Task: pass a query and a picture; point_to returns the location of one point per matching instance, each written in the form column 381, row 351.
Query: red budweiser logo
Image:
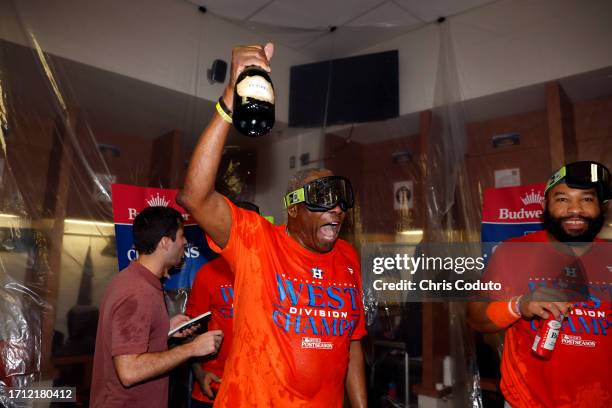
column 514, row 204
column 129, row 200
column 522, row 214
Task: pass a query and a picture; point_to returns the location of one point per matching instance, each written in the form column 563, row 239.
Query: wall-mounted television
column 345, row 90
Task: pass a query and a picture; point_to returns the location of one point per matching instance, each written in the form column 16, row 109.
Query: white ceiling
column 127, row 106
column 304, row 25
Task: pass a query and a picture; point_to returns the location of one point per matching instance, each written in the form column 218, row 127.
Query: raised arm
column 198, row 195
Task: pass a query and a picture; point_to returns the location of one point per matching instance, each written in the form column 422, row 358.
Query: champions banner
column 128, row 201
column 511, row 212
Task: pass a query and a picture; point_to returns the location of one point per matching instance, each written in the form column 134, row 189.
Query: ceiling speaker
column 216, row 73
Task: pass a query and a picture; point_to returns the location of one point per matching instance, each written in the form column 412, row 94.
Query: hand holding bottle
column 250, row 92
column 243, row 57
column 551, row 306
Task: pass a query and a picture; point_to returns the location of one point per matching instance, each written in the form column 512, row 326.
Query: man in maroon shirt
column 132, row 359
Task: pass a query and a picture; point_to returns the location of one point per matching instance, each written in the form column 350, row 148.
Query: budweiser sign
column 514, row 204
column 522, row 214
column 128, row 201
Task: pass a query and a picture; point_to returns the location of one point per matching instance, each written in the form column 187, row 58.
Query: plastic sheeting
column 46, row 261
column 448, row 181
column 20, row 334
column 417, row 177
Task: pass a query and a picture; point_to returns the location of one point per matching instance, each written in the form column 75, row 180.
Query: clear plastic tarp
column 83, row 106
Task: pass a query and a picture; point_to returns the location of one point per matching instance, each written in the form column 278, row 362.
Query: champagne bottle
column 253, row 113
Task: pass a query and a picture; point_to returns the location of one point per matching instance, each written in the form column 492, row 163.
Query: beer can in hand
column 546, row 337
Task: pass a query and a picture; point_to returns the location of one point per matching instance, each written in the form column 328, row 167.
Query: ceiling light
column 411, row 232
column 86, row 222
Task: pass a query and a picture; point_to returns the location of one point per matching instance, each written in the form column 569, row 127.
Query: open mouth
column 575, row 224
column 329, row 231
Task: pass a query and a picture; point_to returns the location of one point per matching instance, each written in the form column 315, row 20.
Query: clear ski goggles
column 323, row 194
column 583, row 174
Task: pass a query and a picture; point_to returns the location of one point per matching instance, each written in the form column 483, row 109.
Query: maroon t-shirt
column 133, row 320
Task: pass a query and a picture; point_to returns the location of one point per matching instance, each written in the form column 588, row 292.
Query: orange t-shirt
column 579, row 373
column 295, row 314
column 213, row 289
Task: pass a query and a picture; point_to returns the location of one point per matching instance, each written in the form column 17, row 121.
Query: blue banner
column 128, row 201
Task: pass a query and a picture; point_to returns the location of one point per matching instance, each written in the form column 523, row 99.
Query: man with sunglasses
column 298, row 314
column 556, row 271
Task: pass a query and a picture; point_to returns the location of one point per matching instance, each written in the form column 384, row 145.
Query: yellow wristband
column 223, row 114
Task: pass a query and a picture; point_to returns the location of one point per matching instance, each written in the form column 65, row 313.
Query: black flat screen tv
column 346, row 90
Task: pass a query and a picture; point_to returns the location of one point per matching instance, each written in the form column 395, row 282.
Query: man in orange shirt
column 213, row 290
column 557, row 271
column 298, row 314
